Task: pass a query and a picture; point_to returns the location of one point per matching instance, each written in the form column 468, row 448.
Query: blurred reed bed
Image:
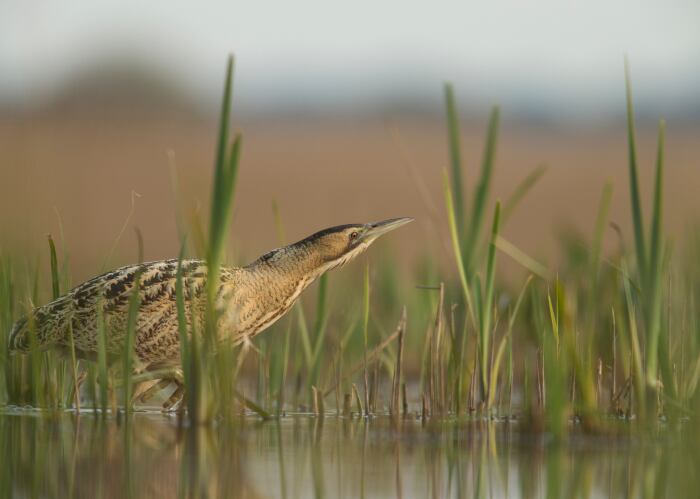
column 605, row 336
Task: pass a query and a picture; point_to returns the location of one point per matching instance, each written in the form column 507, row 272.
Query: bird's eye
column 353, row 235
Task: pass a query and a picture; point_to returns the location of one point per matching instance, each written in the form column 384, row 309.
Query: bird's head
column 338, row 245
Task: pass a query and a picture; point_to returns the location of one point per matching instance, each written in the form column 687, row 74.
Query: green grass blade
column 224, row 188
column 601, row 223
column 522, row 258
column 637, row 217
column 456, row 246
column 320, row 324
column 305, row 336
column 321, row 313
column 129, row 340
column 657, row 214
column 520, row 192
column 225, row 174
column 56, row 292
column 102, row 357
column 553, row 320
column 215, row 359
column 481, row 191
column 518, row 302
column 282, row 383
column 365, row 331
column 488, row 298
column 453, row 133
column 131, row 321
column 6, row 309
column 365, row 307
column 637, row 367
column 505, row 342
column 655, row 271
column 219, row 187
column 55, row 285
column 187, row 347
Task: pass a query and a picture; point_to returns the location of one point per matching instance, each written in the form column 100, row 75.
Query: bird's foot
column 175, row 401
column 156, row 380
column 247, row 344
column 82, row 376
column 146, row 393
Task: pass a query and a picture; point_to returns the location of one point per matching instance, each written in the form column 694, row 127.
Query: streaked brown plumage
column 250, row 298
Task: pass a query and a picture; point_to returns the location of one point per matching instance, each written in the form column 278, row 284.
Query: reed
column 604, row 331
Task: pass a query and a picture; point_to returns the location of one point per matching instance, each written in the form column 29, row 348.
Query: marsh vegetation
column 580, row 379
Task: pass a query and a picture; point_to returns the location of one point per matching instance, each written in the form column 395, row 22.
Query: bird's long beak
column 380, row 228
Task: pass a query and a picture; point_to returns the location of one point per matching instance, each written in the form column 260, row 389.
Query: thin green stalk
column 451, row 218
column 520, row 191
column 601, row 223
column 35, row 364
column 519, row 256
column 553, row 320
column 6, row 308
column 655, row 267
column 218, row 358
column 481, row 192
column 283, row 371
column 224, row 181
column 634, row 182
column 319, row 327
column 102, row 357
column 74, row 367
column 506, row 342
column 365, row 324
column 636, row 368
column 129, row 340
column 453, row 132
column 221, row 172
column 224, row 187
column 188, row 348
column 305, row 336
column 56, row 292
column 488, row 300
column 55, row 286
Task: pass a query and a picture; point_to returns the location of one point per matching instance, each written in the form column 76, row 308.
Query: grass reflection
column 152, row 455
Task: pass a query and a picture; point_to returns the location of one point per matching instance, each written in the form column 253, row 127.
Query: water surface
column 157, row 456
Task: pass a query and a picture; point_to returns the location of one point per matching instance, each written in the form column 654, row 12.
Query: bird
column 248, row 300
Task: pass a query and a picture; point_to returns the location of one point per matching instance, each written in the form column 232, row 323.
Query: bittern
column 249, row 300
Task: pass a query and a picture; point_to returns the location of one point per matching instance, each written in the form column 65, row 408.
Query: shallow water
column 153, row 455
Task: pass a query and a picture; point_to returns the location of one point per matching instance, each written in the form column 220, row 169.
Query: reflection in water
column 151, row 455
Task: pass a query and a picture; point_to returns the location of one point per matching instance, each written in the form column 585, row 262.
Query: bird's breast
column 258, row 311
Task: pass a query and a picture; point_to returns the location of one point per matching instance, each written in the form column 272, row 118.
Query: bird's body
column 249, row 299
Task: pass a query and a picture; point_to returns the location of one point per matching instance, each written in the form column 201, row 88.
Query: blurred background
column 108, row 117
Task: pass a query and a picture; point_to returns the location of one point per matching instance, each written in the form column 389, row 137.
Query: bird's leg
column 175, row 400
column 150, row 390
column 145, row 387
column 247, row 344
column 80, row 379
column 161, row 378
column 82, row 376
column 153, row 374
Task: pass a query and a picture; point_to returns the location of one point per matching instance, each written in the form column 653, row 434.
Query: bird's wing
column 112, row 290
column 157, row 300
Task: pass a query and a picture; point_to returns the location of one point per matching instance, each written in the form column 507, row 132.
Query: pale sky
column 364, row 52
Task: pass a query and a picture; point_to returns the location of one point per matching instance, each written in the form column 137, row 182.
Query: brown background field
column 321, row 172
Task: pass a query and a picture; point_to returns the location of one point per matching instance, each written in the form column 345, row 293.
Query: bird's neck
column 290, row 263
column 273, row 283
